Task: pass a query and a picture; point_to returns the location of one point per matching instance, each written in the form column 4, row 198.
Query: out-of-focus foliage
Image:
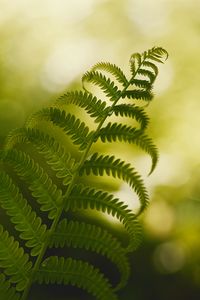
column 45, row 45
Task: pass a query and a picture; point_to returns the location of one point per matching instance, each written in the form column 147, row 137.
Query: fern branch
column 141, row 83
column 133, row 112
column 138, row 95
column 156, row 54
column 108, row 86
column 99, row 164
column 82, row 197
column 47, row 194
column 72, row 126
column 22, row 215
column 91, row 237
column 135, row 62
column 147, row 59
column 7, row 292
column 113, row 132
column 95, row 108
column 61, row 270
column 151, row 66
column 13, row 259
column 147, row 73
column 113, row 69
column 55, row 155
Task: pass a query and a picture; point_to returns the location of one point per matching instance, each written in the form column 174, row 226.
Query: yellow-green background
column 45, row 47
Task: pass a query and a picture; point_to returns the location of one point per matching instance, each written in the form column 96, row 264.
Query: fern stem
column 66, row 195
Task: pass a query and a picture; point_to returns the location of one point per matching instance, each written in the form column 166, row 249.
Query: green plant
column 40, row 183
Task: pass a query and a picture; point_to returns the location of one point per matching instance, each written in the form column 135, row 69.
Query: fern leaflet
column 13, row 259
column 94, row 107
column 22, row 215
column 114, row 70
column 91, row 237
column 99, row 164
column 70, row 271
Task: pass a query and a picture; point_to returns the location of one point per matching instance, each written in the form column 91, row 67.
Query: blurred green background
column 45, row 48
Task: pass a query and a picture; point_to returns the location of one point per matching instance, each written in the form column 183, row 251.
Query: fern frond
column 18, row 272
column 147, row 59
column 113, row 69
column 135, row 62
column 13, row 259
column 75, row 272
column 144, row 84
column 115, row 131
column 146, row 143
column 82, row 197
column 151, row 66
column 133, row 112
column 100, row 164
column 72, row 126
column 95, row 108
column 147, row 73
column 94, row 238
column 55, row 155
column 138, row 94
column 7, row 292
column 108, row 86
column 156, row 54
column 43, row 189
column 22, row 215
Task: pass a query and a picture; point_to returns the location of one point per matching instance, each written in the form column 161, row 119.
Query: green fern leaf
column 72, row 126
column 138, row 94
column 114, row 132
column 147, row 73
column 7, row 292
column 108, row 86
column 157, row 53
column 151, row 66
column 135, row 62
column 13, row 259
column 91, row 237
column 113, row 69
column 94, row 107
column 134, row 112
column 82, row 197
column 99, row 164
column 55, row 155
column 75, row 272
column 21, row 214
column 145, row 84
column 47, row 194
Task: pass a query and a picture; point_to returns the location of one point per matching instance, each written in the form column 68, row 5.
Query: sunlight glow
column 59, row 10
column 170, row 170
column 164, row 79
column 150, row 16
column 159, row 219
column 65, row 63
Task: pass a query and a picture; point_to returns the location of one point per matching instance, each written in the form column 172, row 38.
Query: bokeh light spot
column 169, row 257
